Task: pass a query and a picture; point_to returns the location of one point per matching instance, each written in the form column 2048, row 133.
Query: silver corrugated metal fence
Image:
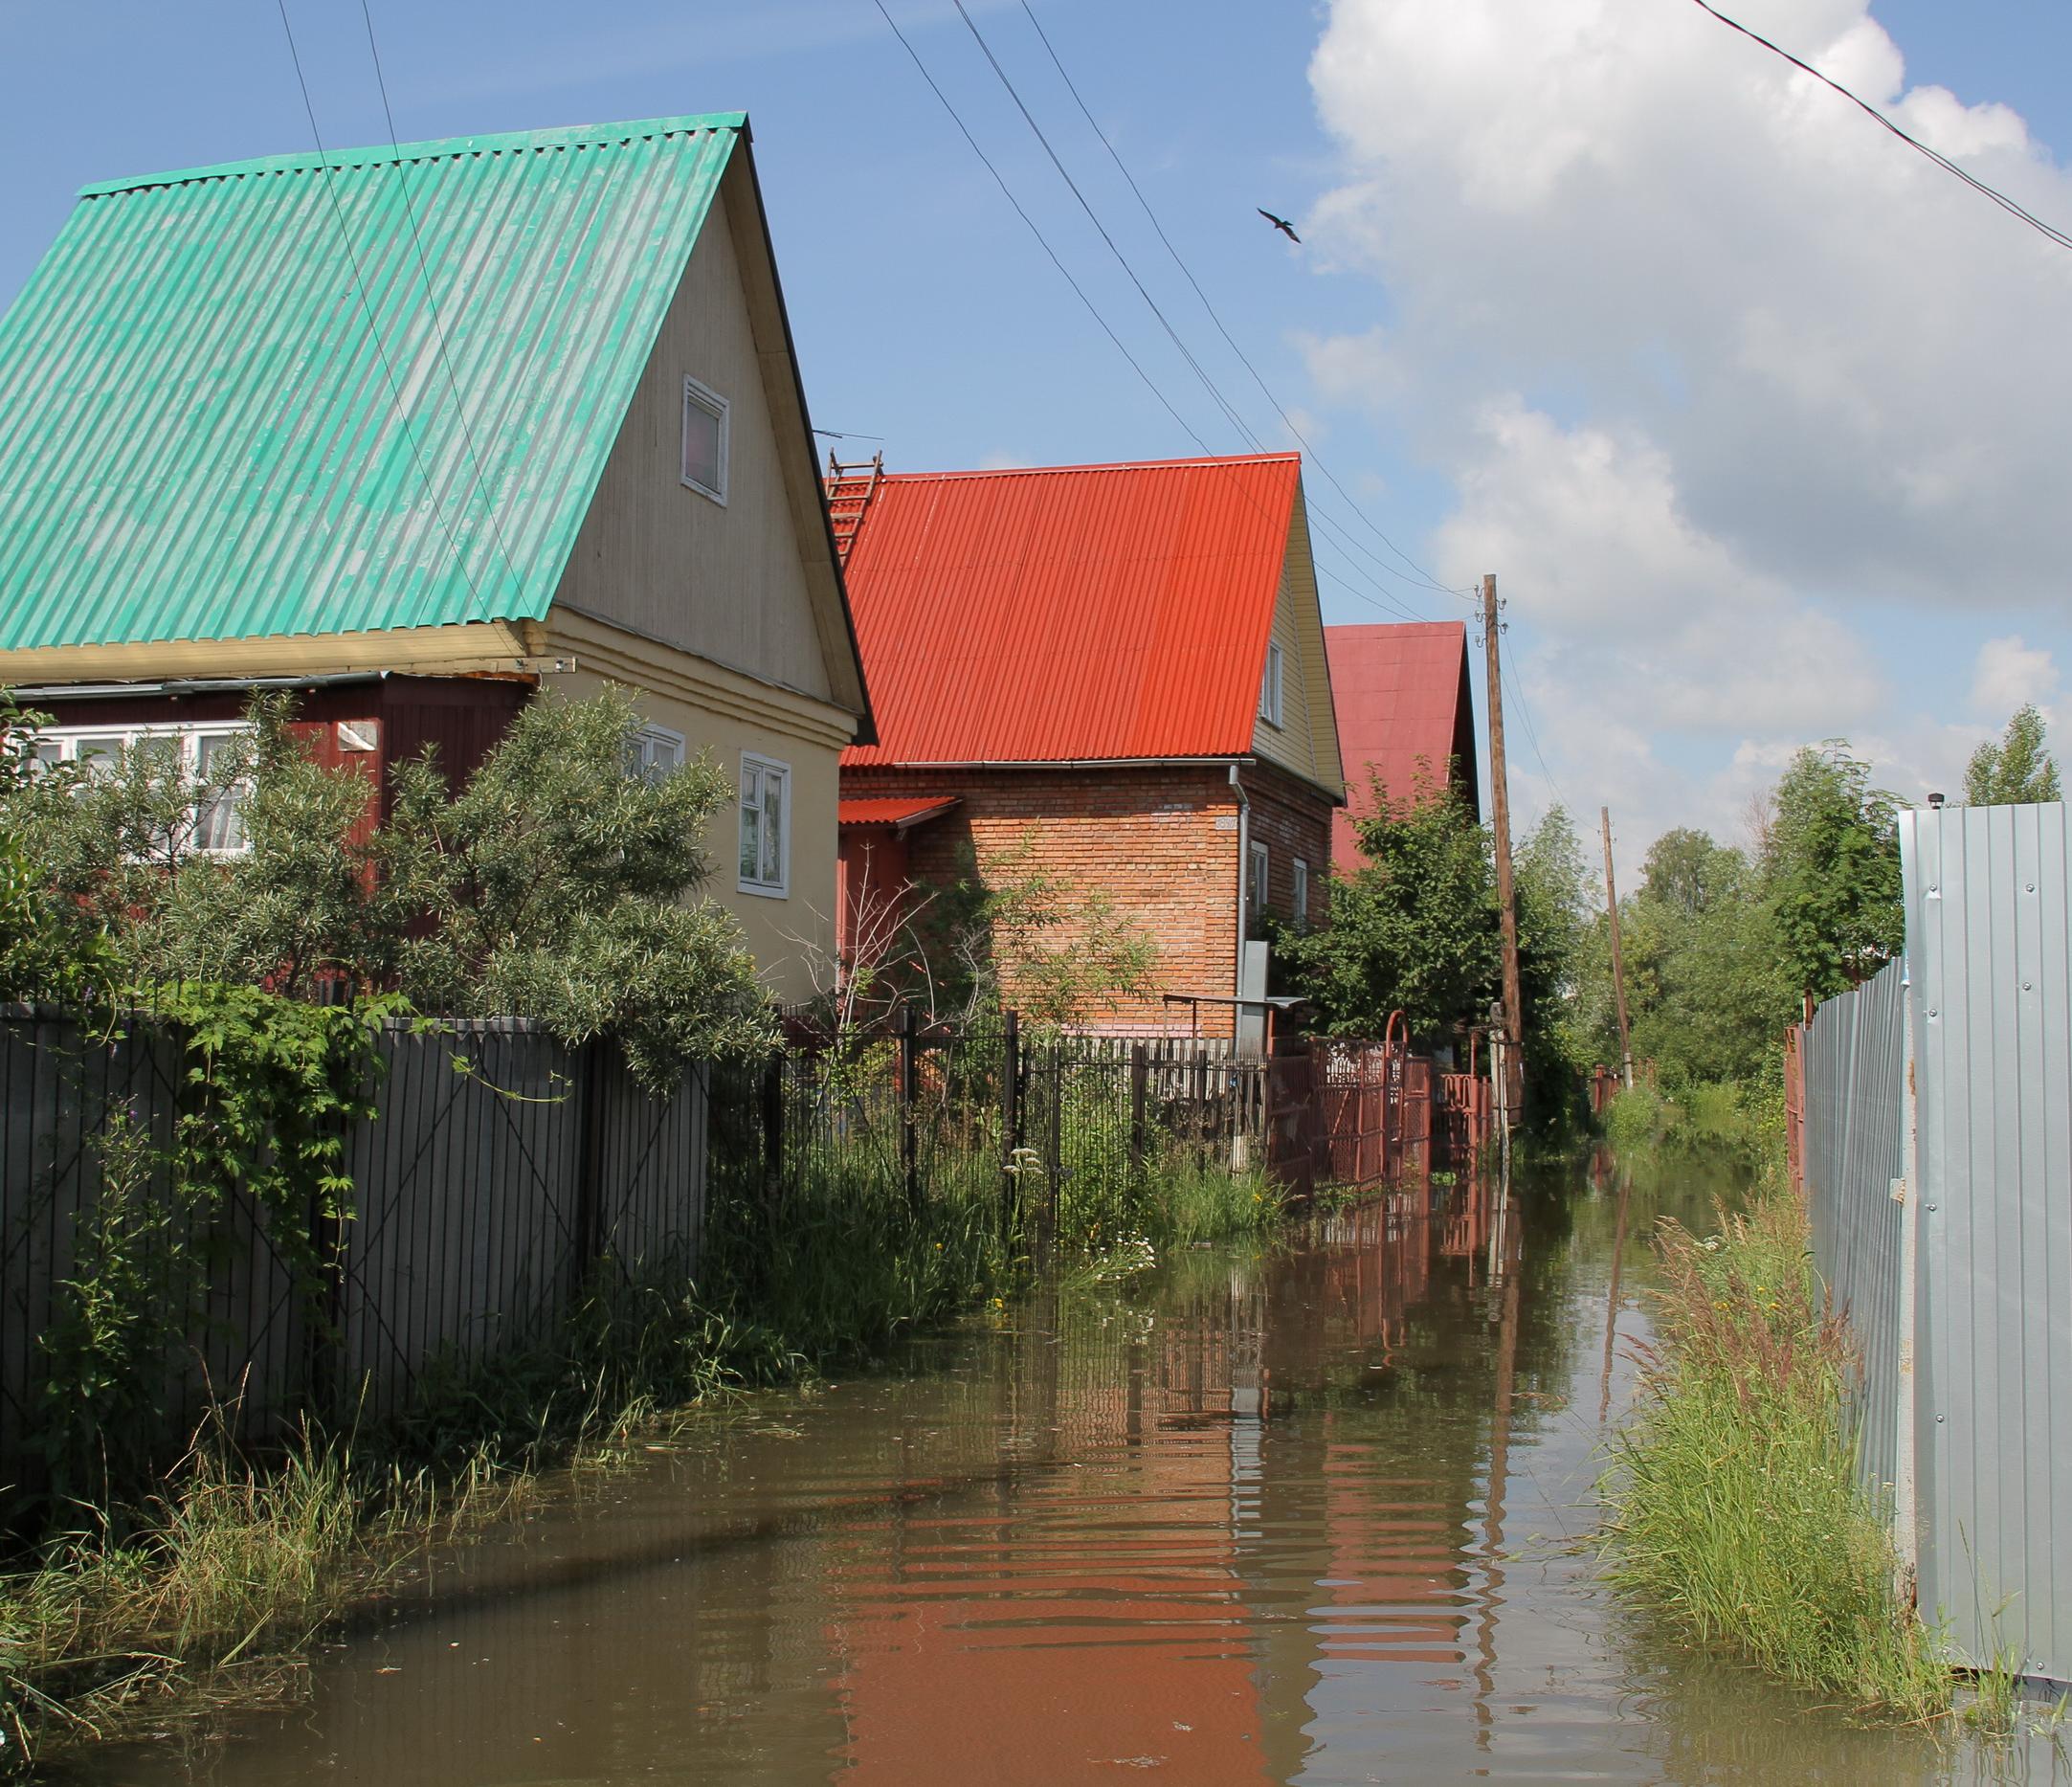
column 1976, row 1122
column 1856, row 1080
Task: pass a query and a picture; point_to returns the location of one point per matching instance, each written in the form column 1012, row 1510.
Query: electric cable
column 1384, row 604
column 367, row 311
column 438, row 326
column 2050, row 232
column 1071, row 86
column 1122, row 259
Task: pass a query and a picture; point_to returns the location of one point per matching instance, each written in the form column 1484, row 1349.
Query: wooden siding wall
column 666, row 561
column 1306, row 740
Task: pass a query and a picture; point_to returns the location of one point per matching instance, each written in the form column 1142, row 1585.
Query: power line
column 367, row 311
column 1208, row 382
column 1071, row 86
column 439, row 328
column 1385, row 604
column 1532, row 732
column 2049, row 231
column 1042, row 240
column 1209, row 385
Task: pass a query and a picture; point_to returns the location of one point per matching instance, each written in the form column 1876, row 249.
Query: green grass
column 1184, row 1202
column 1704, row 1115
column 1733, row 1510
column 204, row 1592
column 212, row 1588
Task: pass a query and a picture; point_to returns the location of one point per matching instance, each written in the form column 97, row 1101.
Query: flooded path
column 1309, row 1518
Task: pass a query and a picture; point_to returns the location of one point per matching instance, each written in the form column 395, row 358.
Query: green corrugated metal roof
column 198, row 439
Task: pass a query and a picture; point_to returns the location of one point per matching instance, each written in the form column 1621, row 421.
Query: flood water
column 1311, row 1517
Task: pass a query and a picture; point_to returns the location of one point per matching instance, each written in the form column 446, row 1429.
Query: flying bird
column 1281, row 224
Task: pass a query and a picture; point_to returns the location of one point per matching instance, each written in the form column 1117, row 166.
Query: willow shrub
column 1734, row 1512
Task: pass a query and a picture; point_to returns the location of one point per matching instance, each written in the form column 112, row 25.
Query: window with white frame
column 704, row 439
column 1270, row 688
column 1300, row 902
column 652, row 752
column 192, row 751
column 765, row 826
column 1261, row 878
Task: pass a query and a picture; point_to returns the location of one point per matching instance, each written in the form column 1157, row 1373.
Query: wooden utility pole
column 1619, row 961
column 1499, row 814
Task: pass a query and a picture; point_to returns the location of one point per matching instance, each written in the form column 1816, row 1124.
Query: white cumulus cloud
column 1724, row 377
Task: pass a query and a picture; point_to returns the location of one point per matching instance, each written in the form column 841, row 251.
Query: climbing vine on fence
column 269, row 1090
column 273, row 1086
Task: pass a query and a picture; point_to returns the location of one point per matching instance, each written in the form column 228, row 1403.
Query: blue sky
column 1478, row 363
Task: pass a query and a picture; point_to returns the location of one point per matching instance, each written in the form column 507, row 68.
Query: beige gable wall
column 722, row 713
column 661, row 559
column 1306, row 739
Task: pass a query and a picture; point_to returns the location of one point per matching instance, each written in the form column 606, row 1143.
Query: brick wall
column 1160, row 843
column 1293, row 820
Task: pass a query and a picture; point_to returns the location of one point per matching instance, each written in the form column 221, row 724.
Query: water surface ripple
column 1308, row 1518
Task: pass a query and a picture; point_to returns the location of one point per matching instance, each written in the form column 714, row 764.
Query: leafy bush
column 1637, row 1119
column 555, row 884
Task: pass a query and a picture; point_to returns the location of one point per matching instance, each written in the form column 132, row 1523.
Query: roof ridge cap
column 435, row 149
column 1210, row 463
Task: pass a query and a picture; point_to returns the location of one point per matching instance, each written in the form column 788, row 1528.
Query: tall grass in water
column 212, row 1587
column 1733, row 1506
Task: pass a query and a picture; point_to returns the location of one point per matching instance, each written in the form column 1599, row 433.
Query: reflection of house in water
column 1096, row 1615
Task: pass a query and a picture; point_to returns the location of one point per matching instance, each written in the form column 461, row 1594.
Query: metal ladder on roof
column 850, row 488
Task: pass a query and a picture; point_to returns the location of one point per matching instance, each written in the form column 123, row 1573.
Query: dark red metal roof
column 902, row 810
column 1401, row 693
column 1070, row 613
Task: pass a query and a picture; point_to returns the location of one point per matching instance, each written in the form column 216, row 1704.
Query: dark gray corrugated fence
column 501, row 1169
column 1971, row 1275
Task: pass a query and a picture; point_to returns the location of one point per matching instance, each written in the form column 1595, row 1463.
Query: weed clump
column 1734, row 1510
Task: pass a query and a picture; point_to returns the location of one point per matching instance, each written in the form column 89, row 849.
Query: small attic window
column 704, row 439
column 1270, row 688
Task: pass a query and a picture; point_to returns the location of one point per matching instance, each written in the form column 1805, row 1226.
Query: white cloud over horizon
column 1727, row 382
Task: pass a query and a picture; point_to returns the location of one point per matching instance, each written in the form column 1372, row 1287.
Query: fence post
column 1139, row 1078
column 773, row 1127
column 1201, row 1108
column 1010, row 1114
column 909, row 1096
column 589, row 1187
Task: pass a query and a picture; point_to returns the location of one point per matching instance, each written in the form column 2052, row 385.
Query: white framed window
column 1301, row 900
column 704, row 439
column 765, row 826
column 1261, row 878
column 192, row 750
column 1270, row 687
column 653, row 751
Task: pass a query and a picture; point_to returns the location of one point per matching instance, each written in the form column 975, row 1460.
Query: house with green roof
column 425, row 432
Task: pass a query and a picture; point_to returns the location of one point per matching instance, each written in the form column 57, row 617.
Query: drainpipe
column 1244, row 877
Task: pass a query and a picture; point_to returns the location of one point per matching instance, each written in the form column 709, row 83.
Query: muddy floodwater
column 1318, row 1515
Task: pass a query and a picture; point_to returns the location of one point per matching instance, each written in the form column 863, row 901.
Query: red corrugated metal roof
column 902, row 811
column 1070, row 613
column 1401, row 693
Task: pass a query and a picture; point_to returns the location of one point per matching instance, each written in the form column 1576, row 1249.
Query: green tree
column 1557, row 912
column 1414, row 929
column 1832, row 872
column 556, row 885
column 2020, row 769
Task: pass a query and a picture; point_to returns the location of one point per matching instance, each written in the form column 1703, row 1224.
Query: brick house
column 1111, row 674
column 1405, row 711
column 420, row 434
